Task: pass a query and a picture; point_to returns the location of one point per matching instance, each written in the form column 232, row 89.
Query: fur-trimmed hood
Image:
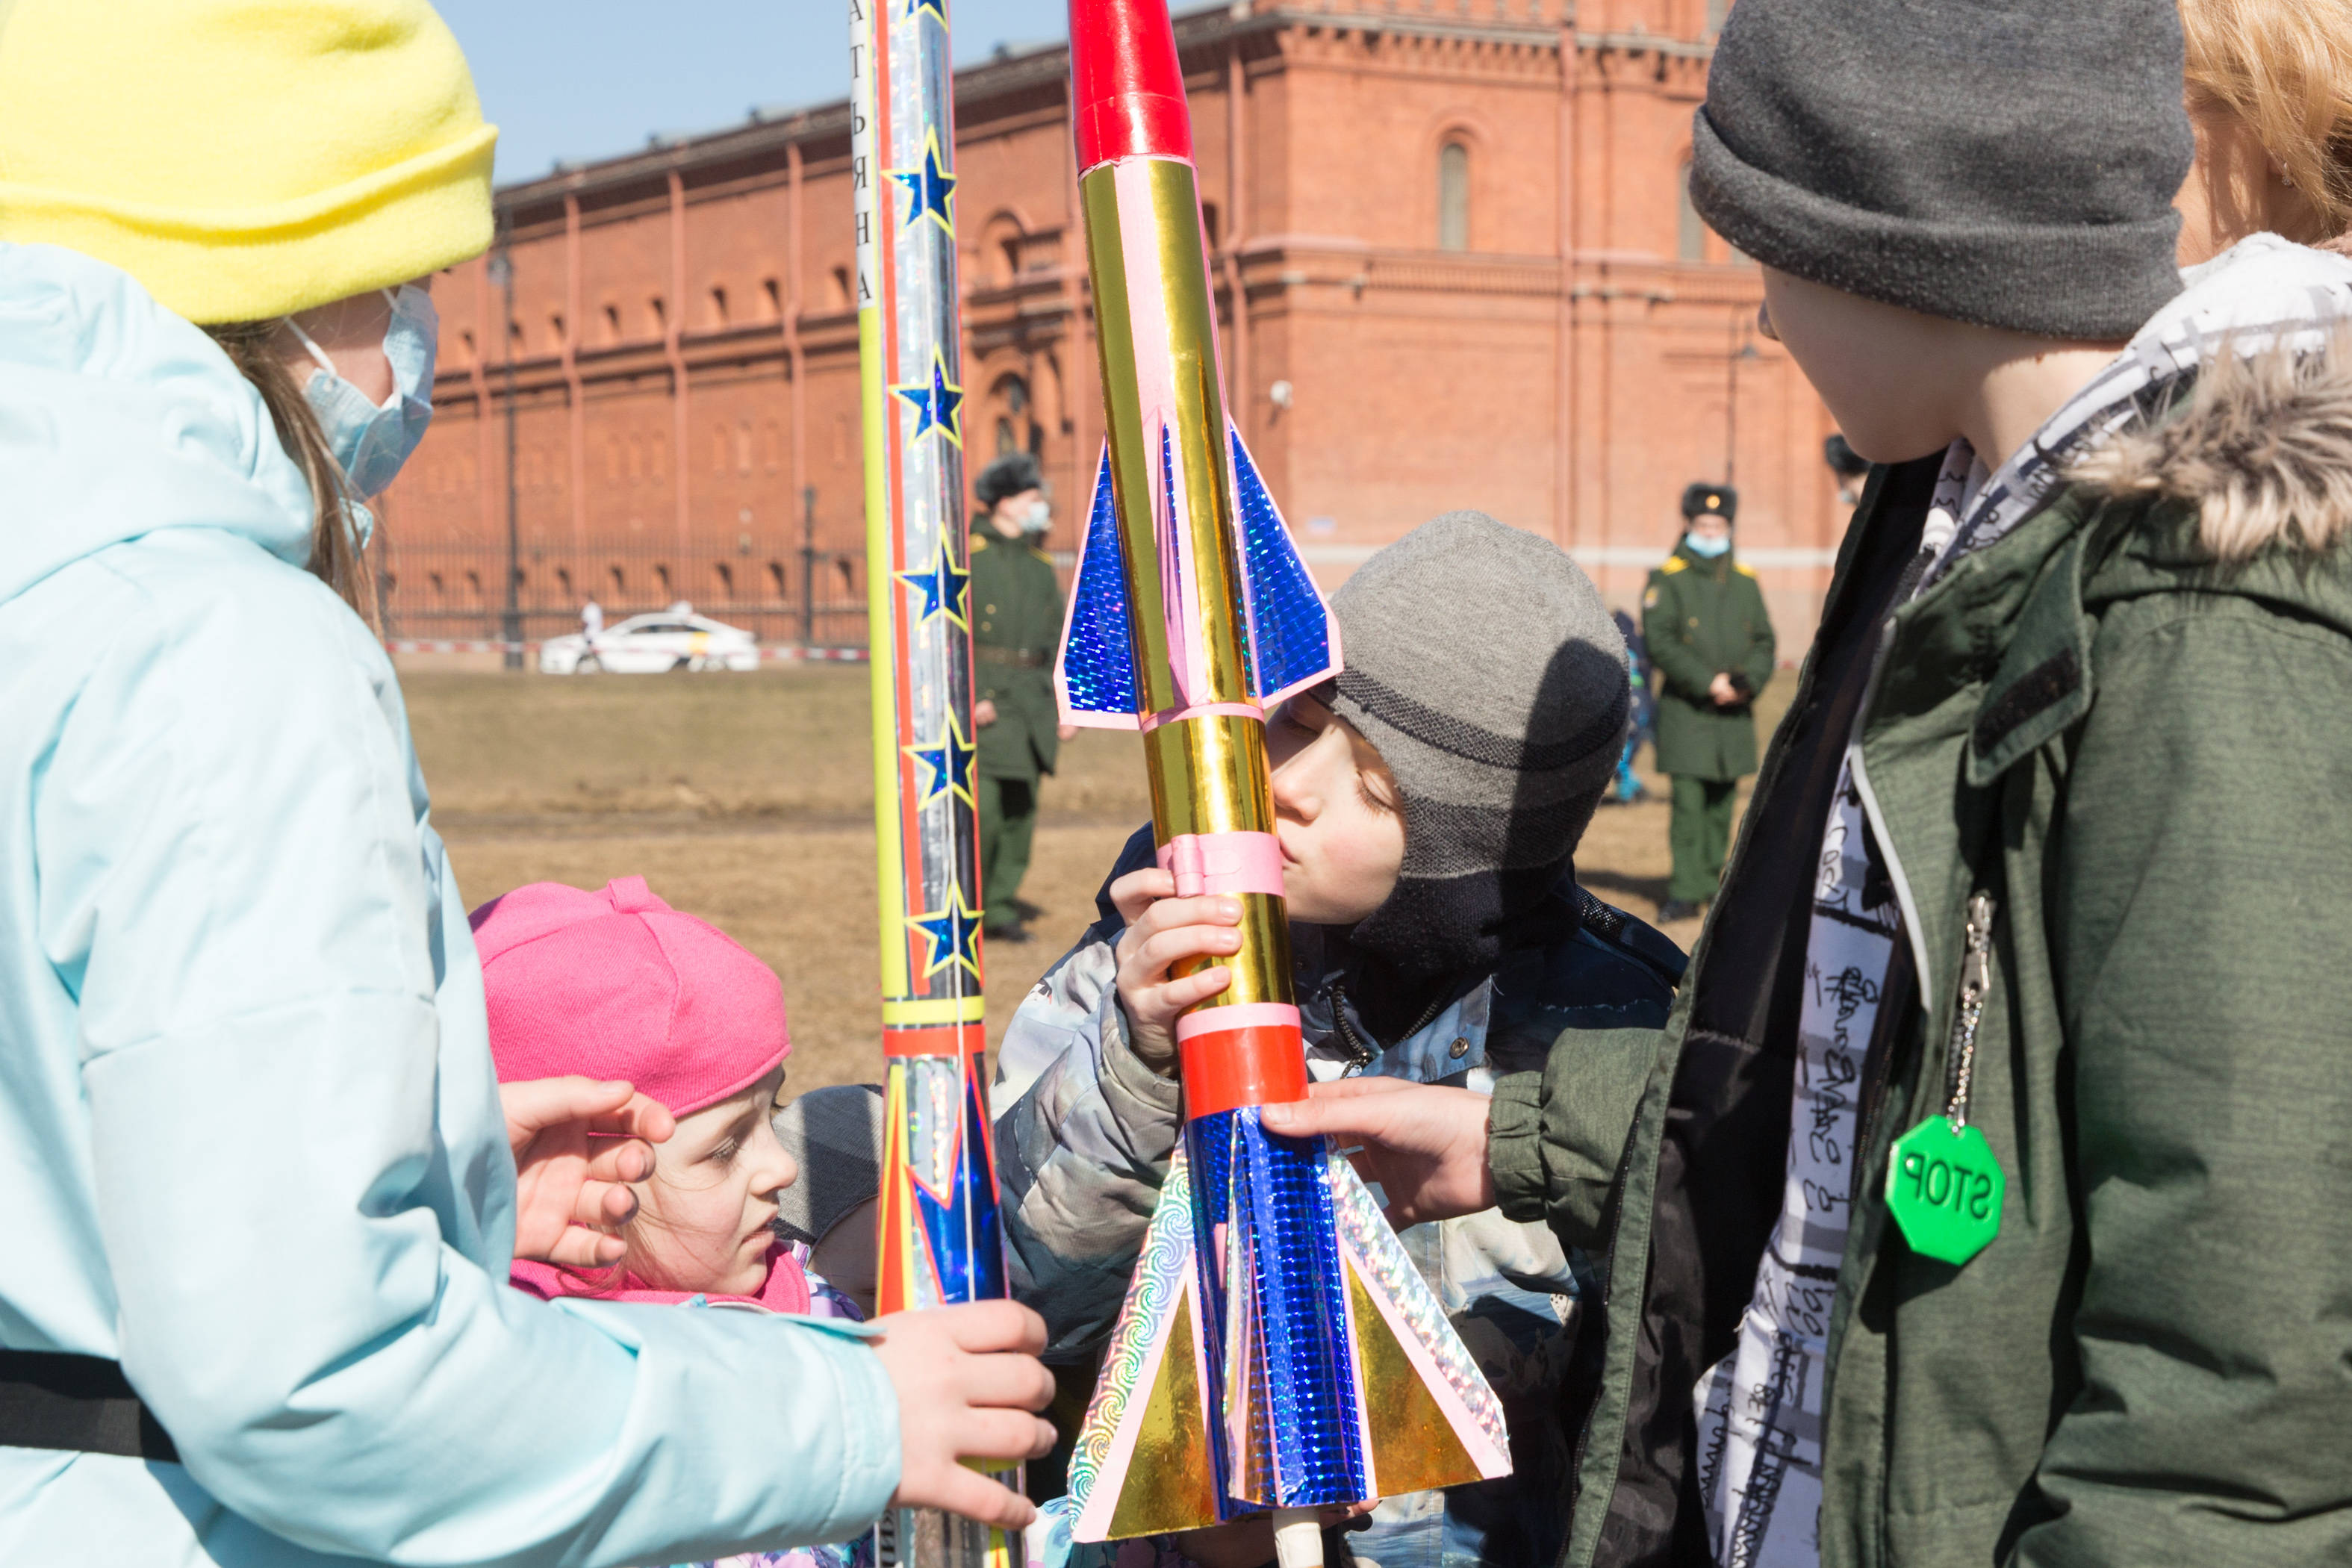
column 2254, row 411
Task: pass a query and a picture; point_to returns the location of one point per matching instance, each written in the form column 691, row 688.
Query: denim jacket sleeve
column 1081, row 1148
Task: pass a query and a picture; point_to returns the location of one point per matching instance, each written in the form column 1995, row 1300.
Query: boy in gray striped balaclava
column 1428, row 801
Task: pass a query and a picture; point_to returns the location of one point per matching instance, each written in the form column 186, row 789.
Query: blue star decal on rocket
column 952, row 933
column 938, row 407
column 929, row 189
column 950, row 765
column 946, row 588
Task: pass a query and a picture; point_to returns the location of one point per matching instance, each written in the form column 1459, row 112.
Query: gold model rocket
column 1276, row 1350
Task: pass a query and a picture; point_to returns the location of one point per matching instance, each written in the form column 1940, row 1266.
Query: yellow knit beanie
column 242, row 159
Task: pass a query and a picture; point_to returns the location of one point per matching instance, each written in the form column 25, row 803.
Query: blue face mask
column 370, row 440
column 1707, row 549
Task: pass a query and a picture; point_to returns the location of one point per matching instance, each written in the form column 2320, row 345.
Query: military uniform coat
column 1700, row 617
column 1016, row 624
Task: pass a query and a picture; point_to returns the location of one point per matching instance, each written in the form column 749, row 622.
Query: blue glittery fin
column 1290, row 1433
column 1294, row 642
column 1095, row 678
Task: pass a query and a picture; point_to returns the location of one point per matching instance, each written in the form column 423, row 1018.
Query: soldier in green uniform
column 1711, row 644
column 1016, row 624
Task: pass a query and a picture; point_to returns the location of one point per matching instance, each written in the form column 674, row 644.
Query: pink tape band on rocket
column 1201, row 711
column 1238, row 1015
column 1224, row 863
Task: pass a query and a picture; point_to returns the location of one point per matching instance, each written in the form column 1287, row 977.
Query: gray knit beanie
column 1483, row 667
column 2006, row 163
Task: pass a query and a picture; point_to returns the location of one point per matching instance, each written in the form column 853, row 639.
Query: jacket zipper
column 1361, row 1052
column 1968, row 1011
column 1959, row 1055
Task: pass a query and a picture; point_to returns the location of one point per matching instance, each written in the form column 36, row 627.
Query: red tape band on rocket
column 1240, row 1055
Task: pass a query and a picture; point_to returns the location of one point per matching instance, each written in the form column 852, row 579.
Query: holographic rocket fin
column 938, row 1219
column 1148, row 1403
column 1294, row 639
column 1290, row 638
column 1094, row 678
column 1330, row 1372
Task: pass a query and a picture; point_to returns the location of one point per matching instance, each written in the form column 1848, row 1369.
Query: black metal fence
column 456, row 592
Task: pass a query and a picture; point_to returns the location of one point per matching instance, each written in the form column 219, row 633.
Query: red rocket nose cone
column 1127, row 93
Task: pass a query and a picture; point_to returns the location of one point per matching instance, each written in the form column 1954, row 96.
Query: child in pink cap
column 617, row 984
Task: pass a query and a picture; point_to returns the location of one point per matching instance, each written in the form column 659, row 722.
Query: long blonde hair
column 335, row 555
column 2283, row 67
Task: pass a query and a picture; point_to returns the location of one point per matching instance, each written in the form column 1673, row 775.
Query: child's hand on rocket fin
column 1424, row 1145
column 968, row 1379
column 1163, row 930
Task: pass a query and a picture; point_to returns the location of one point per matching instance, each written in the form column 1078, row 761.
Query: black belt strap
column 51, row 1400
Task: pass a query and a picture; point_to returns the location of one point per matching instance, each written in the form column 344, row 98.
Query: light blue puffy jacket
column 250, row 1143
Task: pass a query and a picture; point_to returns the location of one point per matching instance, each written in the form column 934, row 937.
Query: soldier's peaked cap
column 1704, row 500
column 1008, row 475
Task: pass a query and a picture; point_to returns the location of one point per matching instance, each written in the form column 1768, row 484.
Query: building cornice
column 768, row 132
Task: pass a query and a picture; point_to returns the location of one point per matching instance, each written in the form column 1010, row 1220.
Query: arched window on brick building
column 1453, row 197
column 1690, row 232
column 1016, row 424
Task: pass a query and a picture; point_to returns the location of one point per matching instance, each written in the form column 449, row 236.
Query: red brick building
column 1456, row 269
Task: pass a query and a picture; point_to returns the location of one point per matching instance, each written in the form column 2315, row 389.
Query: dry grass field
column 748, row 800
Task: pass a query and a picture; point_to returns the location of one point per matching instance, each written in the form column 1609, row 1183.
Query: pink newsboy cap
column 617, row 984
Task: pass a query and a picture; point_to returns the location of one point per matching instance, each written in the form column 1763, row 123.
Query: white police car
column 651, row 644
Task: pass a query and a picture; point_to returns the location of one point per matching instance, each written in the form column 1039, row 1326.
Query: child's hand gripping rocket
column 1278, row 1349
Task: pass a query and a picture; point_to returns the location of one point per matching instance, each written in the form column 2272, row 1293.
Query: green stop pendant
column 1944, row 1189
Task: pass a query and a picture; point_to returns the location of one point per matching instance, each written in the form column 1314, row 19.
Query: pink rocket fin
column 1431, row 1420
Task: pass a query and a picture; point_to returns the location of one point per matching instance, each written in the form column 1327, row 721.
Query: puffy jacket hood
column 118, row 418
column 2261, row 443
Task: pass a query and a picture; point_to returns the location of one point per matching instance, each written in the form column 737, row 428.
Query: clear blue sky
column 588, row 78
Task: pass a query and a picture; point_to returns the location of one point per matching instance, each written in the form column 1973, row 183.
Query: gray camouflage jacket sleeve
column 1084, row 1132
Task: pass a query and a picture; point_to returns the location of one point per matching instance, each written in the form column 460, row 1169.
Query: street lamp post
column 808, row 567
column 502, row 274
